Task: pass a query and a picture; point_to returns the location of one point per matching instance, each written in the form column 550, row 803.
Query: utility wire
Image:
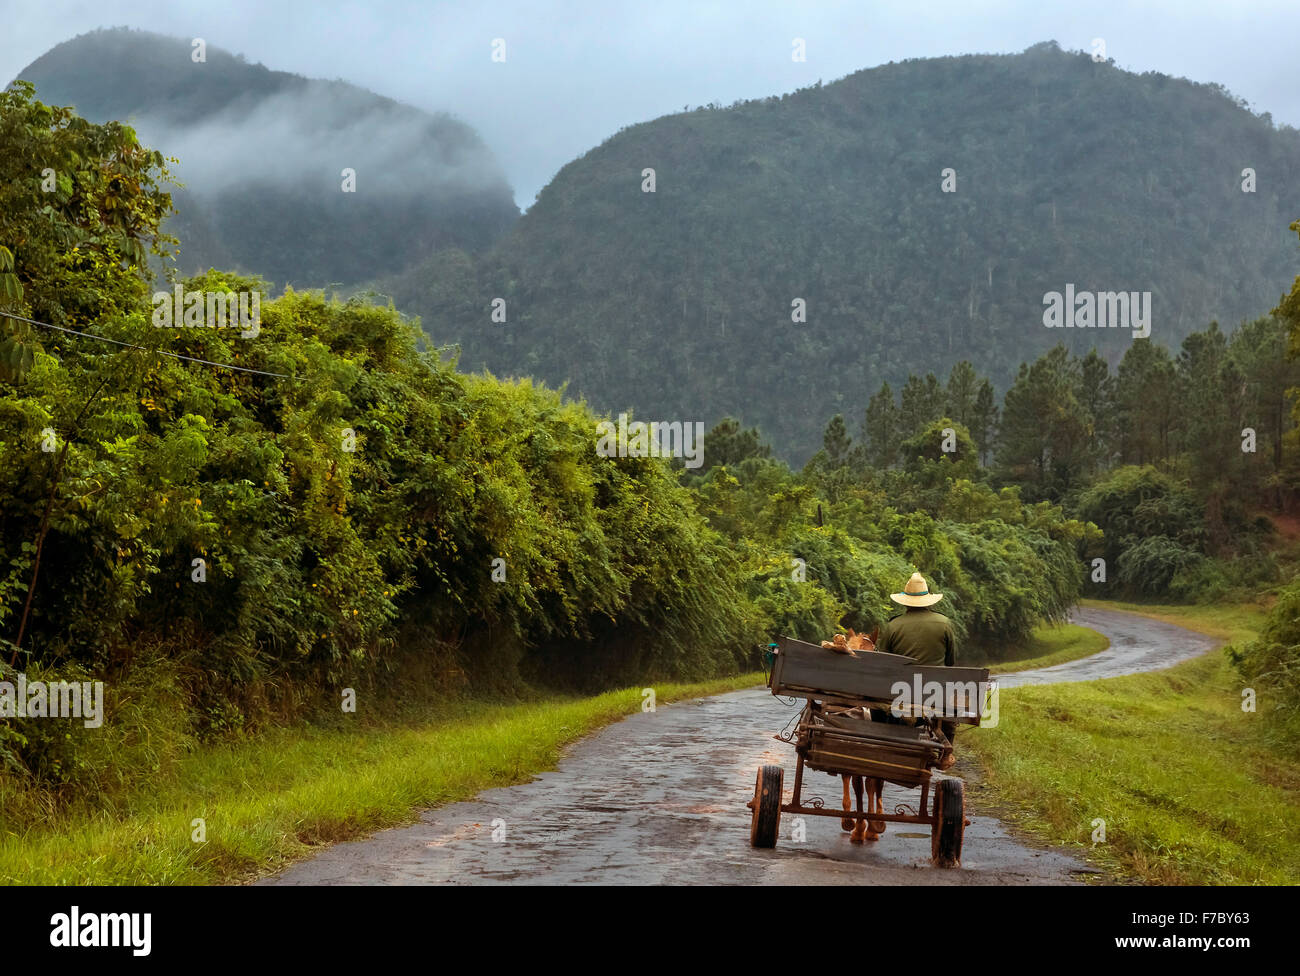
column 130, row 345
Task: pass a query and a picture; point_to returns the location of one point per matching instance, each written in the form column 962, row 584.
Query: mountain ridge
column 263, row 152
column 679, row 302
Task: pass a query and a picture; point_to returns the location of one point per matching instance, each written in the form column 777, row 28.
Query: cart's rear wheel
column 766, row 824
column 949, row 823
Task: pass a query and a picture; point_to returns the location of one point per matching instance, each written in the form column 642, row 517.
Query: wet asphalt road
column 1136, row 644
column 659, row 798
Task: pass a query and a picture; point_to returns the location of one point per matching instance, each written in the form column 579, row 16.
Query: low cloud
column 305, row 138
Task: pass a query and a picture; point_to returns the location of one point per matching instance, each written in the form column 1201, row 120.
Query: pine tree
column 836, row 441
column 1044, row 436
column 1096, row 393
column 1147, row 404
column 984, row 421
column 880, row 433
column 728, row 444
column 961, row 392
column 922, row 403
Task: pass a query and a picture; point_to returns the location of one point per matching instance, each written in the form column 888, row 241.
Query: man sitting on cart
column 924, row 635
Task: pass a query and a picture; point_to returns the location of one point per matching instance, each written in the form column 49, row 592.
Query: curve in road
column 659, row 798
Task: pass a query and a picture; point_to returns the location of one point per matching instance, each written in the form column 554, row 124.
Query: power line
column 130, row 345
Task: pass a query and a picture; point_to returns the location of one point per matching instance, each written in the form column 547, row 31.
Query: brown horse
column 861, row 829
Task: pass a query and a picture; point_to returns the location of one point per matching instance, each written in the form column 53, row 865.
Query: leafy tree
column 1259, row 352
column 1212, row 423
column 80, row 209
column 1134, row 504
column 943, row 451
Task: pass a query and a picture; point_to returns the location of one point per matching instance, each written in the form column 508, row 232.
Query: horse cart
column 834, row 735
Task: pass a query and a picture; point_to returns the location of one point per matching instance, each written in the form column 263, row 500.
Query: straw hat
column 916, row 593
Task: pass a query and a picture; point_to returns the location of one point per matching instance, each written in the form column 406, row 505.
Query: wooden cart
column 829, row 736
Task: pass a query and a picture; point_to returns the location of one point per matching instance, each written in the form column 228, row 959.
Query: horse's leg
column 875, row 799
column 860, row 827
column 847, row 822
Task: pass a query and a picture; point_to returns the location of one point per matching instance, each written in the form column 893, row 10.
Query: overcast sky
column 577, row 72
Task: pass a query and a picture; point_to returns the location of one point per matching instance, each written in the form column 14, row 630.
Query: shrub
column 1147, row 566
column 1271, row 663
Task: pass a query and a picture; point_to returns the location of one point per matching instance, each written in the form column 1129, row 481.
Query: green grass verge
column 1189, row 789
column 277, row 797
column 1050, row 645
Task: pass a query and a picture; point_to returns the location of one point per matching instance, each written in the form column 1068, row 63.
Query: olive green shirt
column 924, row 635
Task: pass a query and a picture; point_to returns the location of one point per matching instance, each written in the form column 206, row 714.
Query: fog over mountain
column 577, row 72
column 262, row 155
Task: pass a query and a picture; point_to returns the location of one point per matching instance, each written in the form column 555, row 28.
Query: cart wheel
column 766, row 824
column 949, row 823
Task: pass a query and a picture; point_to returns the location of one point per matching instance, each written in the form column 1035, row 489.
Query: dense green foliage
column 1271, row 663
column 255, row 541
column 1175, row 458
column 1153, row 526
column 314, row 553
column 824, row 548
column 80, row 206
column 1273, row 659
column 252, row 142
column 679, row 302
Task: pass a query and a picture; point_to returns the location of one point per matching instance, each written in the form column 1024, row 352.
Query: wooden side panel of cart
column 803, row 670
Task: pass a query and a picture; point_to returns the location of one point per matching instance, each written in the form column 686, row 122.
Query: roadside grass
column 275, row 798
column 1190, row 790
column 1051, row 645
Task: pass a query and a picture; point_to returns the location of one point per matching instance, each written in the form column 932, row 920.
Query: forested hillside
column 261, row 154
column 230, row 539
column 1067, row 171
column 1175, row 455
